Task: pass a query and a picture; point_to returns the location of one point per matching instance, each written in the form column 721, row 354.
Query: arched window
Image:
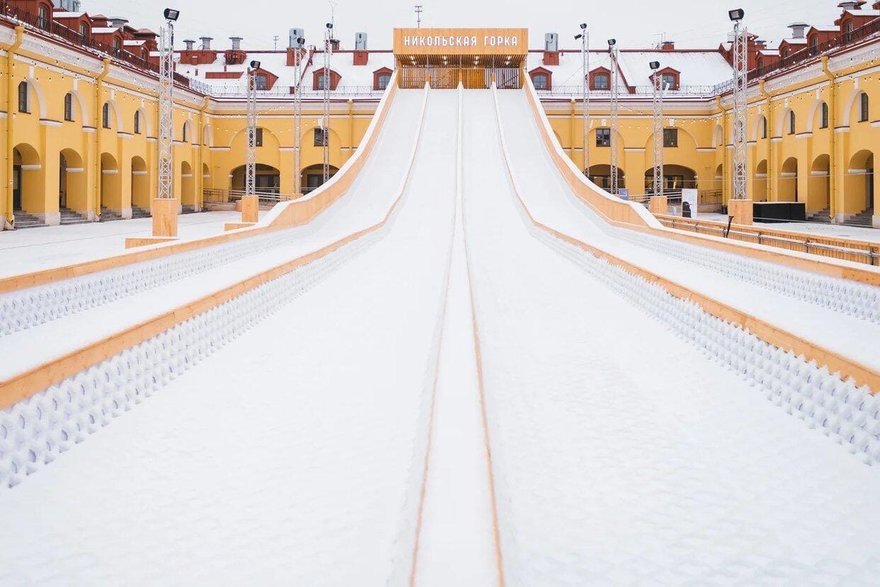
column 791, row 123
column 105, row 115
column 137, row 122
column 185, row 133
column 864, row 109
column 824, row 116
column 763, row 127
column 68, row 107
column 43, row 17
column 23, row 98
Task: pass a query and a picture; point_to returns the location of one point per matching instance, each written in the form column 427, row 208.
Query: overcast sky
column 690, row 23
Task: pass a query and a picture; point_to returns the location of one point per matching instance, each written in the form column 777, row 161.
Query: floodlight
column 329, row 25
column 612, row 42
column 583, row 26
column 578, row 37
column 171, row 14
column 655, row 65
column 255, row 64
column 300, row 41
column 736, row 15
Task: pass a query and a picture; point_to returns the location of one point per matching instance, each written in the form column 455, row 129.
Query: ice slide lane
column 90, row 320
column 293, row 455
column 797, row 301
column 621, row 454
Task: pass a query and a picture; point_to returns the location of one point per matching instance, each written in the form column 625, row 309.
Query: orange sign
column 461, row 41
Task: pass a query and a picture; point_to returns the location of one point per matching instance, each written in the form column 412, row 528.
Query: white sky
column 690, row 23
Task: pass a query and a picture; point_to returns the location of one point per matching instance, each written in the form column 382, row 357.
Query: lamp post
column 164, row 210
column 615, row 106
column 250, row 202
column 297, row 117
column 328, row 49
column 584, row 38
column 657, row 99
column 740, row 82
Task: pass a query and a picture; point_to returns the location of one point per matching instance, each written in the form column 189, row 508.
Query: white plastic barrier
column 821, row 399
column 31, row 307
column 35, row 431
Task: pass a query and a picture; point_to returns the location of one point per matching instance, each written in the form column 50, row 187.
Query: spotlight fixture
column 171, row 14
column 578, row 37
column 612, row 42
column 655, row 65
column 583, row 26
column 736, row 15
column 330, row 25
column 255, row 64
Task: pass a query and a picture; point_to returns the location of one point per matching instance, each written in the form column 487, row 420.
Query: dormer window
column 262, row 82
column 43, row 17
column 83, row 33
column 383, row 81
column 541, row 81
column 601, row 81
column 323, row 81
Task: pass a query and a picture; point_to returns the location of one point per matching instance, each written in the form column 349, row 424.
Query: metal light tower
column 740, row 83
column 584, row 38
column 657, row 95
column 328, row 49
column 419, row 9
column 250, row 173
column 297, row 117
column 615, row 106
column 166, row 105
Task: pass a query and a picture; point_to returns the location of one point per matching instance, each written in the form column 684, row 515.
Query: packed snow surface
column 342, row 441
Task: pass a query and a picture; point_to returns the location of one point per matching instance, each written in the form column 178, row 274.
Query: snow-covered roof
column 698, row 68
column 795, row 41
column 826, row 29
column 863, row 12
column 105, row 30
column 134, row 43
column 68, row 14
column 275, row 62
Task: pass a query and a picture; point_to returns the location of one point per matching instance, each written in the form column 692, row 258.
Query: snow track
column 458, row 397
column 621, row 454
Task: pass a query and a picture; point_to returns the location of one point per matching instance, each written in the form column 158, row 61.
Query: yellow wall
column 116, row 168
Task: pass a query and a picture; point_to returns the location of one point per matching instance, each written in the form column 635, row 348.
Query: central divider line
column 457, row 531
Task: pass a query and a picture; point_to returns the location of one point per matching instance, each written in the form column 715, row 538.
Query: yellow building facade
column 78, row 132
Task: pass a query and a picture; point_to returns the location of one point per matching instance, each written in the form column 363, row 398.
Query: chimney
column 551, row 49
column 667, row 46
column 206, row 43
column 360, row 55
column 189, row 44
column 116, row 22
column 332, row 44
column 798, row 30
column 293, row 38
column 236, row 43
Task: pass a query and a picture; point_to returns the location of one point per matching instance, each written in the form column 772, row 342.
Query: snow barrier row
column 40, row 424
column 283, row 215
column 830, row 401
column 634, row 216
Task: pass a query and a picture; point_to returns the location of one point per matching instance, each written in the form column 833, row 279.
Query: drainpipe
column 770, row 166
column 725, row 168
column 832, row 145
column 198, row 173
column 99, row 126
column 9, row 220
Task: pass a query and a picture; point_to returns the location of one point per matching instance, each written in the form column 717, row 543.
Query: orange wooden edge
column 771, row 334
column 41, row 377
column 621, row 213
